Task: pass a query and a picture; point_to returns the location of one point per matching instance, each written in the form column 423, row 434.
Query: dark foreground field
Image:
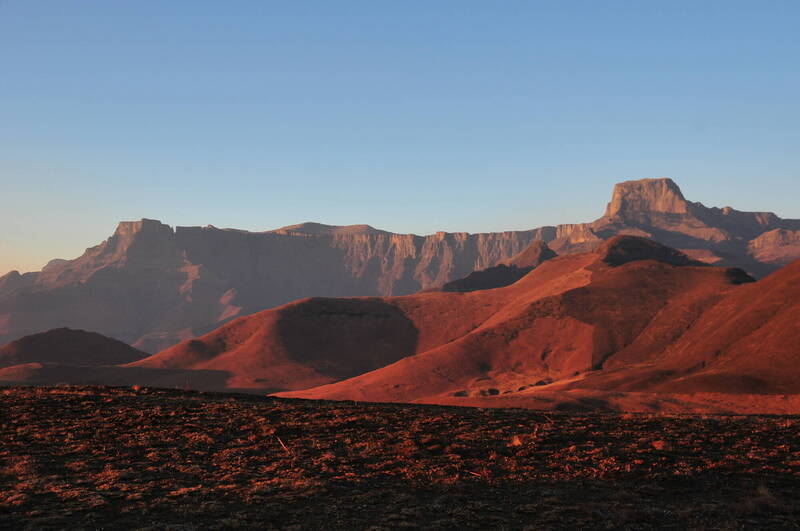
column 160, row 459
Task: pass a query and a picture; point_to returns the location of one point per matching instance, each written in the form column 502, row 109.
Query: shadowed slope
column 502, row 274
column 317, row 341
column 79, row 357
column 623, row 249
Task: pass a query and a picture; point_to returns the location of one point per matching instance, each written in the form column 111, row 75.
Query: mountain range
column 153, row 286
column 633, row 325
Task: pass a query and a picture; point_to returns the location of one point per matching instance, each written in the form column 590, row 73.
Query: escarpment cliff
column 152, row 286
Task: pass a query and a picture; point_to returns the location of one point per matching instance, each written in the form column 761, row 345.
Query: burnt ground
column 108, row 458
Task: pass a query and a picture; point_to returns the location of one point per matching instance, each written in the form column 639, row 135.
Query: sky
column 413, row 116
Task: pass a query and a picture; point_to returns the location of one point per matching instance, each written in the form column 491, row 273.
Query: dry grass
column 157, row 459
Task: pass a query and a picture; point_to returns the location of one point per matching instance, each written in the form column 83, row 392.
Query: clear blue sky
column 410, row 116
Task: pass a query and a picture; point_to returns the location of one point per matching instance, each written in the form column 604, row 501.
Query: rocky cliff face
column 152, row 286
column 778, row 246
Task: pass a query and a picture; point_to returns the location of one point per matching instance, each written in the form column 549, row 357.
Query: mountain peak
column 142, row 241
column 647, row 195
column 126, row 228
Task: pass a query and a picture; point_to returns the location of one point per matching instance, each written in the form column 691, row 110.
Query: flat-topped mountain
column 633, row 198
column 652, row 201
column 152, row 286
column 657, row 209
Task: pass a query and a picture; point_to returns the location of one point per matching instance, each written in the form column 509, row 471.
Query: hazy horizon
column 460, row 117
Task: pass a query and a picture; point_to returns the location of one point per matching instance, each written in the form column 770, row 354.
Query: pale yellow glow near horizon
column 28, row 256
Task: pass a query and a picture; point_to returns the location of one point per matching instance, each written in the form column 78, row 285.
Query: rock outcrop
column 657, row 209
column 778, row 246
column 633, row 199
column 624, row 248
column 502, row 274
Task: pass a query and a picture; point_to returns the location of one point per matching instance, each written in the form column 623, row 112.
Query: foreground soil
column 100, row 458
